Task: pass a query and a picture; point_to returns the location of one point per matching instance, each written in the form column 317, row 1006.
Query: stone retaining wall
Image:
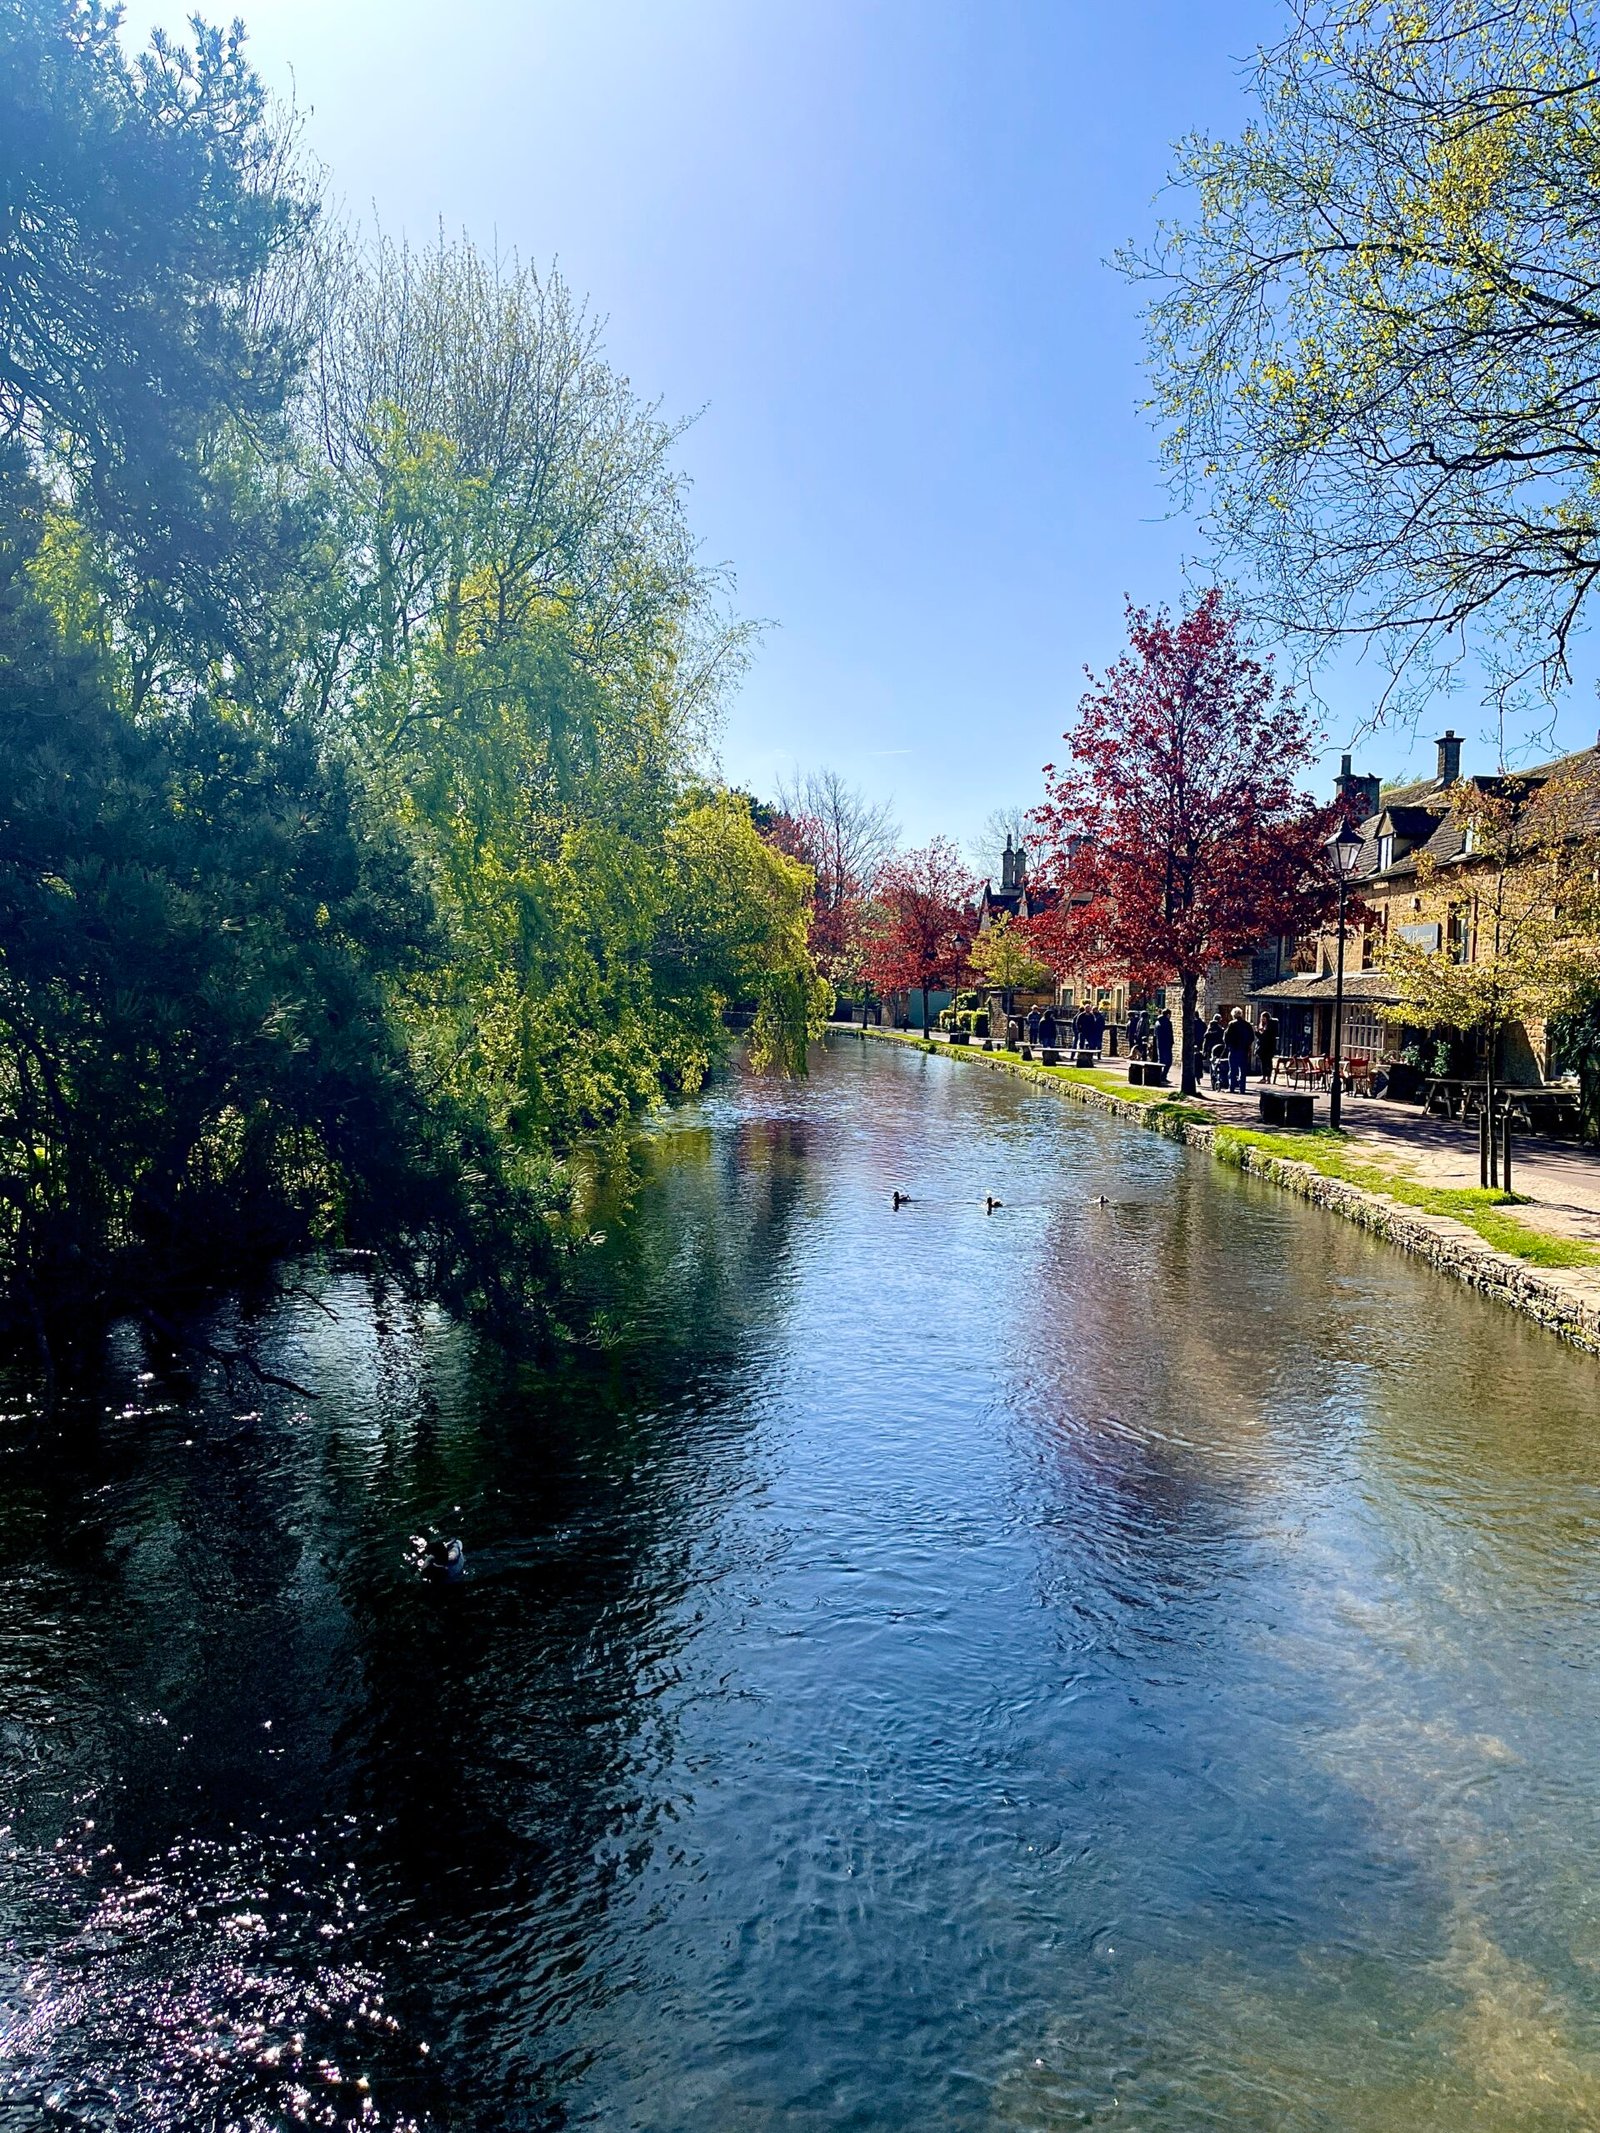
column 1567, row 1301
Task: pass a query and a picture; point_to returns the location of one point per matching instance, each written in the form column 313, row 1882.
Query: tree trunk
column 1488, row 1105
column 1188, row 1080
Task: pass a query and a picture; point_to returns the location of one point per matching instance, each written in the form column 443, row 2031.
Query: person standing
column 1164, row 1041
column 1033, row 1025
column 1237, row 1040
column 1266, row 1043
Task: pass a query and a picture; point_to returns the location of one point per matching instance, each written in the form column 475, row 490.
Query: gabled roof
column 1425, row 814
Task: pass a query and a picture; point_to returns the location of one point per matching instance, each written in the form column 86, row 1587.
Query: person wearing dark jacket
column 1164, row 1041
column 1033, row 1025
column 1238, row 1039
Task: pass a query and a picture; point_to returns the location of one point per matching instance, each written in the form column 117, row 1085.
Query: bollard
column 1505, row 1166
column 1483, row 1150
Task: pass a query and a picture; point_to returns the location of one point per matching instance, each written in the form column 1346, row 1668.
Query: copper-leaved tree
column 1178, row 835
column 923, row 922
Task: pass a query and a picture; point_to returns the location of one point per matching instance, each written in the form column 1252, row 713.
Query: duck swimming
column 901, row 1199
column 445, row 1559
column 991, row 1203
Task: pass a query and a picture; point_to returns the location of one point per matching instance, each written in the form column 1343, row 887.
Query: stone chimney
column 1360, row 794
column 1008, row 865
column 1019, row 871
column 1449, row 747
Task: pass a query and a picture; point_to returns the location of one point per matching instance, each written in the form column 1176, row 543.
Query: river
column 1127, row 1659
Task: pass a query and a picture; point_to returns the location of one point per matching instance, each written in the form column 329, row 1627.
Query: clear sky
column 866, row 239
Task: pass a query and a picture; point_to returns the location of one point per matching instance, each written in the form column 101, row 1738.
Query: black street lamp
column 1344, row 849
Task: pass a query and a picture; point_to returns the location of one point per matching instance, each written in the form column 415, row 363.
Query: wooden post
column 1483, row 1150
column 1505, row 1173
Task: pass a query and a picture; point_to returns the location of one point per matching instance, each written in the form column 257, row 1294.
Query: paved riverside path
column 1560, row 1182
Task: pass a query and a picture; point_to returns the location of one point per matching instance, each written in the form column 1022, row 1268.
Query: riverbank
column 1529, row 1265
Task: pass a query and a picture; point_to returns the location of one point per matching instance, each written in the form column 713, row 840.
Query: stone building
column 1416, row 878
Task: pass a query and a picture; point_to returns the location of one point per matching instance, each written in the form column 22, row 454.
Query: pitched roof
column 1425, row 813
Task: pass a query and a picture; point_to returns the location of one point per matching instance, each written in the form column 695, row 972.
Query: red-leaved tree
column 923, row 921
column 1178, row 835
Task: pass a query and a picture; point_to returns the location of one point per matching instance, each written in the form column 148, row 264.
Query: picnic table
column 1547, row 1104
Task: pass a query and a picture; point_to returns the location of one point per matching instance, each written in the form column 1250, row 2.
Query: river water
column 1114, row 1661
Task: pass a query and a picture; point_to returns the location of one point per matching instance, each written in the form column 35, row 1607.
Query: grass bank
column 1484, row 1211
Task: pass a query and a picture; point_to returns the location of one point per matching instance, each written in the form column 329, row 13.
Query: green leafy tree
column 200, row 925
column 1373, row 338
column 1005, row 960
column 142, row 208
column 355, row 671
column 1530, row 949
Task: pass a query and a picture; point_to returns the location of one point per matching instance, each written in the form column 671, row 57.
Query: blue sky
column 866, row 238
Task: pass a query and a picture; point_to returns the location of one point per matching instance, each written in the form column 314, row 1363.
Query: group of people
column 1229, row 1045
column 1232, row 1049
column 1150, row 1036
column 1084, row 1032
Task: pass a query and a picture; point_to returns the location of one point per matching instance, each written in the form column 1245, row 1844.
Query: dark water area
column 1094, row 1664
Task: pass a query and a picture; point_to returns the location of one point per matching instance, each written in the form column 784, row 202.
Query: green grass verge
column 1482, row 1211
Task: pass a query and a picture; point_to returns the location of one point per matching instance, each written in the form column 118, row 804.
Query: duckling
column 991, row 1203
column 901, row 1199
column 1100, row 1200
column 446, row 1559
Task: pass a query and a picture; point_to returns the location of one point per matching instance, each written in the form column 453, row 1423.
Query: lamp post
column 1344, row 849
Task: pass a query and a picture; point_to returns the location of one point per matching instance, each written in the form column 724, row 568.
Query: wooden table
column 1530, row 1103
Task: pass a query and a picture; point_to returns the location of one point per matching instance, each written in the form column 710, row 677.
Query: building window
column 1385, row 852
